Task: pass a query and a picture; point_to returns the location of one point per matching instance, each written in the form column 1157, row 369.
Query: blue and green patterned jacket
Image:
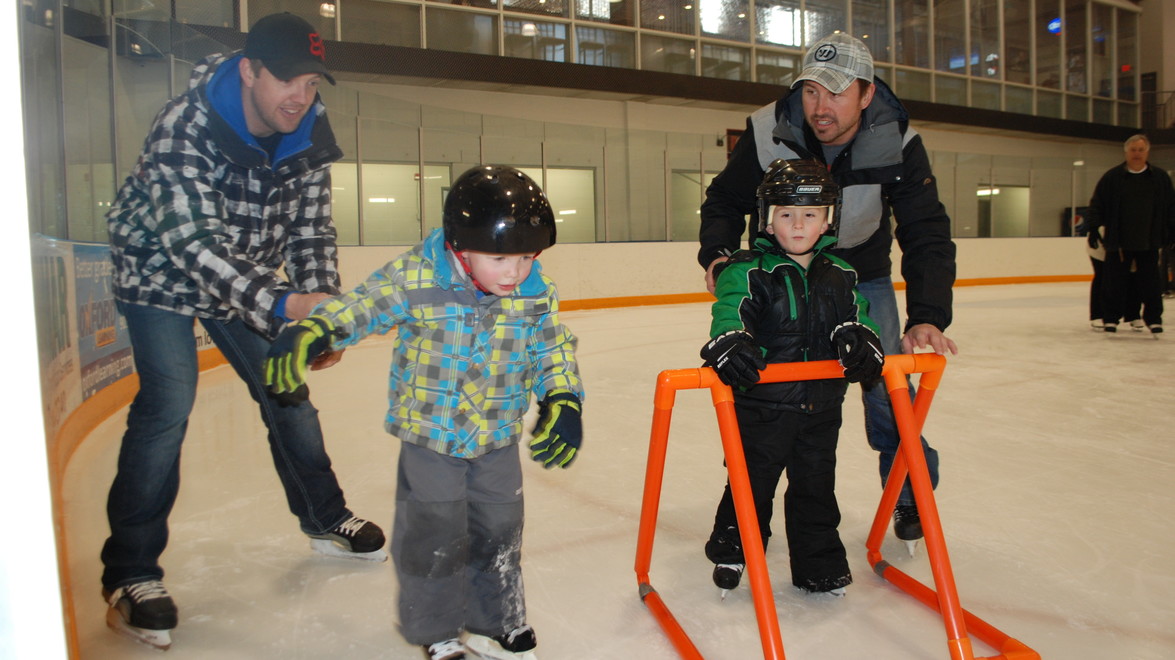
column 464, row 367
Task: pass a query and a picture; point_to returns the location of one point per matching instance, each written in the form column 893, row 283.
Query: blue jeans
column 145, row 487
column 880, row 427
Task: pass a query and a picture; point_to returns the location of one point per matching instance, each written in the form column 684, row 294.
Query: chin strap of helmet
column 461, row 259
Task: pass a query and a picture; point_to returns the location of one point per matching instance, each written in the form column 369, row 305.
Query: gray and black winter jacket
column 884, row 172
column 205, row 220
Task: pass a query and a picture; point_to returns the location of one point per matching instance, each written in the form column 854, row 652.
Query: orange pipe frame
column 909, row 416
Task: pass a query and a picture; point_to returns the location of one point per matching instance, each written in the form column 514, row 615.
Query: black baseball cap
column 288, row 46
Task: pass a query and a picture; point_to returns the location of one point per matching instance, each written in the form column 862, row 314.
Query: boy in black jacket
column 788, row 300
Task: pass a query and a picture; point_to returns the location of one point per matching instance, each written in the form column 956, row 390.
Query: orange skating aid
column 909, row 416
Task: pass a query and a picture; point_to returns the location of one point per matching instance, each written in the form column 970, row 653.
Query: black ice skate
column 518, row 644
column 725, row 550
column 142, row 611
column 727, row 577
column 450, row 649
column 907, row 526
column 354, row 538
column 834, row 586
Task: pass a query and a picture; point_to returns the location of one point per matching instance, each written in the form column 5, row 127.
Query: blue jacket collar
column 224, row 94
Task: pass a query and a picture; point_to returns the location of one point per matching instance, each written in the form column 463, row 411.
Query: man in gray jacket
column 840, row 114
column 233, row 184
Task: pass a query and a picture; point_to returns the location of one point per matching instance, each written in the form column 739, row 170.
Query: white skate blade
column 912, row 547
column 332, row 549
column 159, row 639
column 487, row 649
column 723, row 593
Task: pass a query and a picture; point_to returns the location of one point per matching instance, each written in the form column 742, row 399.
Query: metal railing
column 1158, row 109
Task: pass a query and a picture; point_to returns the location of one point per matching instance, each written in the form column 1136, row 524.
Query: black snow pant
column 803, row 445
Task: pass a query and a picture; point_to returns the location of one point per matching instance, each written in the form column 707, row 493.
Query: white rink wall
column 609, row 270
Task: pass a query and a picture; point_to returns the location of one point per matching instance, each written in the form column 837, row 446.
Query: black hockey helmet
column 798, row 183
column 499, row 210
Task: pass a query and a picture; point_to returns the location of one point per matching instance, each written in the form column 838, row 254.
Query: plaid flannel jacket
column 463, row 368
column 204, row 222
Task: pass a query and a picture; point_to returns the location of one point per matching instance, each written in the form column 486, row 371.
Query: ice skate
column 907, row 526
column 355, row 538
column 142, row 611
column 450, row 649
column 1156, row 329
column 1110, row 327
column 831, row 586
column 1137, row 325
column 518, row 644
column 727, row 577
column 726, row 552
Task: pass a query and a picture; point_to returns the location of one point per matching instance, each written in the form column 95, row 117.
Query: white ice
column 1057, row 500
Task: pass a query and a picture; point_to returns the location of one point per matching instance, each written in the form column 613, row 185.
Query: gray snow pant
column 457, row 544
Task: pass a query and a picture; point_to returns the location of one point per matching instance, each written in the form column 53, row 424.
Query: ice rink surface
column 1057, row 499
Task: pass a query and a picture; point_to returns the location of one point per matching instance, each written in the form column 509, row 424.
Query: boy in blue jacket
column 788, row 300
column 479, row 332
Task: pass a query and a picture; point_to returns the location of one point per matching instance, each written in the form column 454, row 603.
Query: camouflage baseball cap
column 835, row 62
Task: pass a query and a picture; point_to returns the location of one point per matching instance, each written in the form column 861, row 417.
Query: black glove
column 1093, row 239
column 859, row 351
column 735, row 357
column 292, row 352
column 557, row 436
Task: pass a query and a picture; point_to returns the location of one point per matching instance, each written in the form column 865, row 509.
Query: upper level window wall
column 778, row 22
column 548, row 7
column 1048, row 44
column 1074, row 32
column 950, row 33
column 726, row 19
column 985, row 39
column 911, row 33
column 669, row 16
column 776, row 68
column 534, row 40
column 461, row 31
column 1101, row 54
column 483, row 4
column 726, row 62
column 618, row 12
column 871, row 25
column 668, row 54
column 1017, row 59
column 1127, row 55
column 823, row 18
column 600, row 47
column 381, row 22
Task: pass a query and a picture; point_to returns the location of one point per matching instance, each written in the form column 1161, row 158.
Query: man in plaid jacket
column 233, row 183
